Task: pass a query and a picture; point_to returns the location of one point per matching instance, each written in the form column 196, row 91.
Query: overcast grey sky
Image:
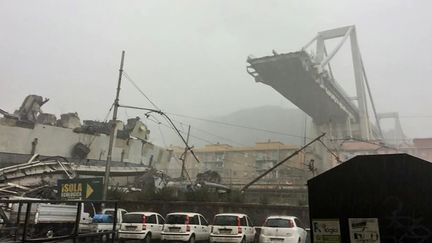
column 190, row 56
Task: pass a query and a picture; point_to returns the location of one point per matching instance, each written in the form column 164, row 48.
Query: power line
column 105, row 120
column 329, row 150
column 212, row 134
column 381, row 145
column 373, row 140
column 183, row 132
column 157, row 110
column 217, row 136
column 238, row 125
column 126, row 75
column 162, row 137
column 416, row 116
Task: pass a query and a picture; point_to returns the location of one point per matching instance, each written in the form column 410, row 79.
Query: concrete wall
column 57, row 141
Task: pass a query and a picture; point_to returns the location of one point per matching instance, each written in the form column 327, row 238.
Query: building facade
column 239, row 165
column 423, row 148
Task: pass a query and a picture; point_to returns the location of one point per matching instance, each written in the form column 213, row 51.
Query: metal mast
column 185, row 154
column 113, row 133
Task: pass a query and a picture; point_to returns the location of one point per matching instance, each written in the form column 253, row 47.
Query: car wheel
column 147, row 239
column 192, row 239
column 50, row 233
column 105, row 238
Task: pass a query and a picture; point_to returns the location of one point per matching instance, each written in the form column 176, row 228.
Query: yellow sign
column 80, row 189
column 89, row 191
column 71, row 190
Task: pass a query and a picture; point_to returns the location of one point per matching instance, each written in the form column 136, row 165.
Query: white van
column 228, row 227
column 145, row 226
column 283, row 229
column 189, row 227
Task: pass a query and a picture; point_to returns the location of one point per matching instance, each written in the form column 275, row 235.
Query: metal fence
column 19, row 229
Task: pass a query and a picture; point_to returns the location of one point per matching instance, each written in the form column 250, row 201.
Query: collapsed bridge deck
column 296, row 77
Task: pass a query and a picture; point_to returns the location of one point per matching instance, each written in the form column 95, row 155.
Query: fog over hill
column 244, row 127
column 241, row 128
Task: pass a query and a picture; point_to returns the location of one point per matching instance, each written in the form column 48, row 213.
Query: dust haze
column 189, row 57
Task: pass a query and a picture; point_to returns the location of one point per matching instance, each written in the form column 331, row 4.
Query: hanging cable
column 149, row 111
column 183, row 132
column 158, row 110
column 211, row 134
column 329, row 150
column 163, row 140
column 238, row 125
column 126, row 75
column 105, row 120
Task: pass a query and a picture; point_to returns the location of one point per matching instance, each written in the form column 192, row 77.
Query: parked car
column 104, row 221
column 286, row 229
column 189, row 227
column 229, row 227
column 145, row 226
column 48, row 220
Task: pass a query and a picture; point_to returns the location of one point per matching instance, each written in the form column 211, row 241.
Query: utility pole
column 281, row 162
column 185, row 154
column 113, row 130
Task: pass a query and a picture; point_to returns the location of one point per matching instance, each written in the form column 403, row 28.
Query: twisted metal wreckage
column 38, row 178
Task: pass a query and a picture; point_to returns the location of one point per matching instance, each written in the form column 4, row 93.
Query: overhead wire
column 161, row 134
column 225, row 159
column 238, row 125
column 105, row 120
column 164, row 142
column 128, row 77
column 179, row 132
column 381, row 145
column 194, row 136
column 182, row 131
column 330, row 151
column 212, row 134
column 159, row 111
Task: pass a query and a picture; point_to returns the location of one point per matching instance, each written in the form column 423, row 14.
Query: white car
column 145, row 226
column 228, row 227
column 283, row 229
column 187, row 227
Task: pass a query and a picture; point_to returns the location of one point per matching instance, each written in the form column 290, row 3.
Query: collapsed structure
column 37, row 149
column 307, row 80
column 29, row 131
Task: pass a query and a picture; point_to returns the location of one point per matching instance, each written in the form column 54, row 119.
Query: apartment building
column 239, row 165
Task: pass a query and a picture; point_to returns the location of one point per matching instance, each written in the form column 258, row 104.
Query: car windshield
column 176, row 219
column 225, row 220
column 109, row 212
column 279, row 223
column 133, row 218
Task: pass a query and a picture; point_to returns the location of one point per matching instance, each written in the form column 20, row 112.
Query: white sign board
column 364, row 230
column 326, row 231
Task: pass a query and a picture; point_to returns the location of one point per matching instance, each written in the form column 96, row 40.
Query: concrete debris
column 30, row 108
column 69, row 120
column 80, row 151
column 47, row 119
column 209, row 176
column 137, row 129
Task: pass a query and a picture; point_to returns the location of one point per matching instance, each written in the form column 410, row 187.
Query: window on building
column 220, row 156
